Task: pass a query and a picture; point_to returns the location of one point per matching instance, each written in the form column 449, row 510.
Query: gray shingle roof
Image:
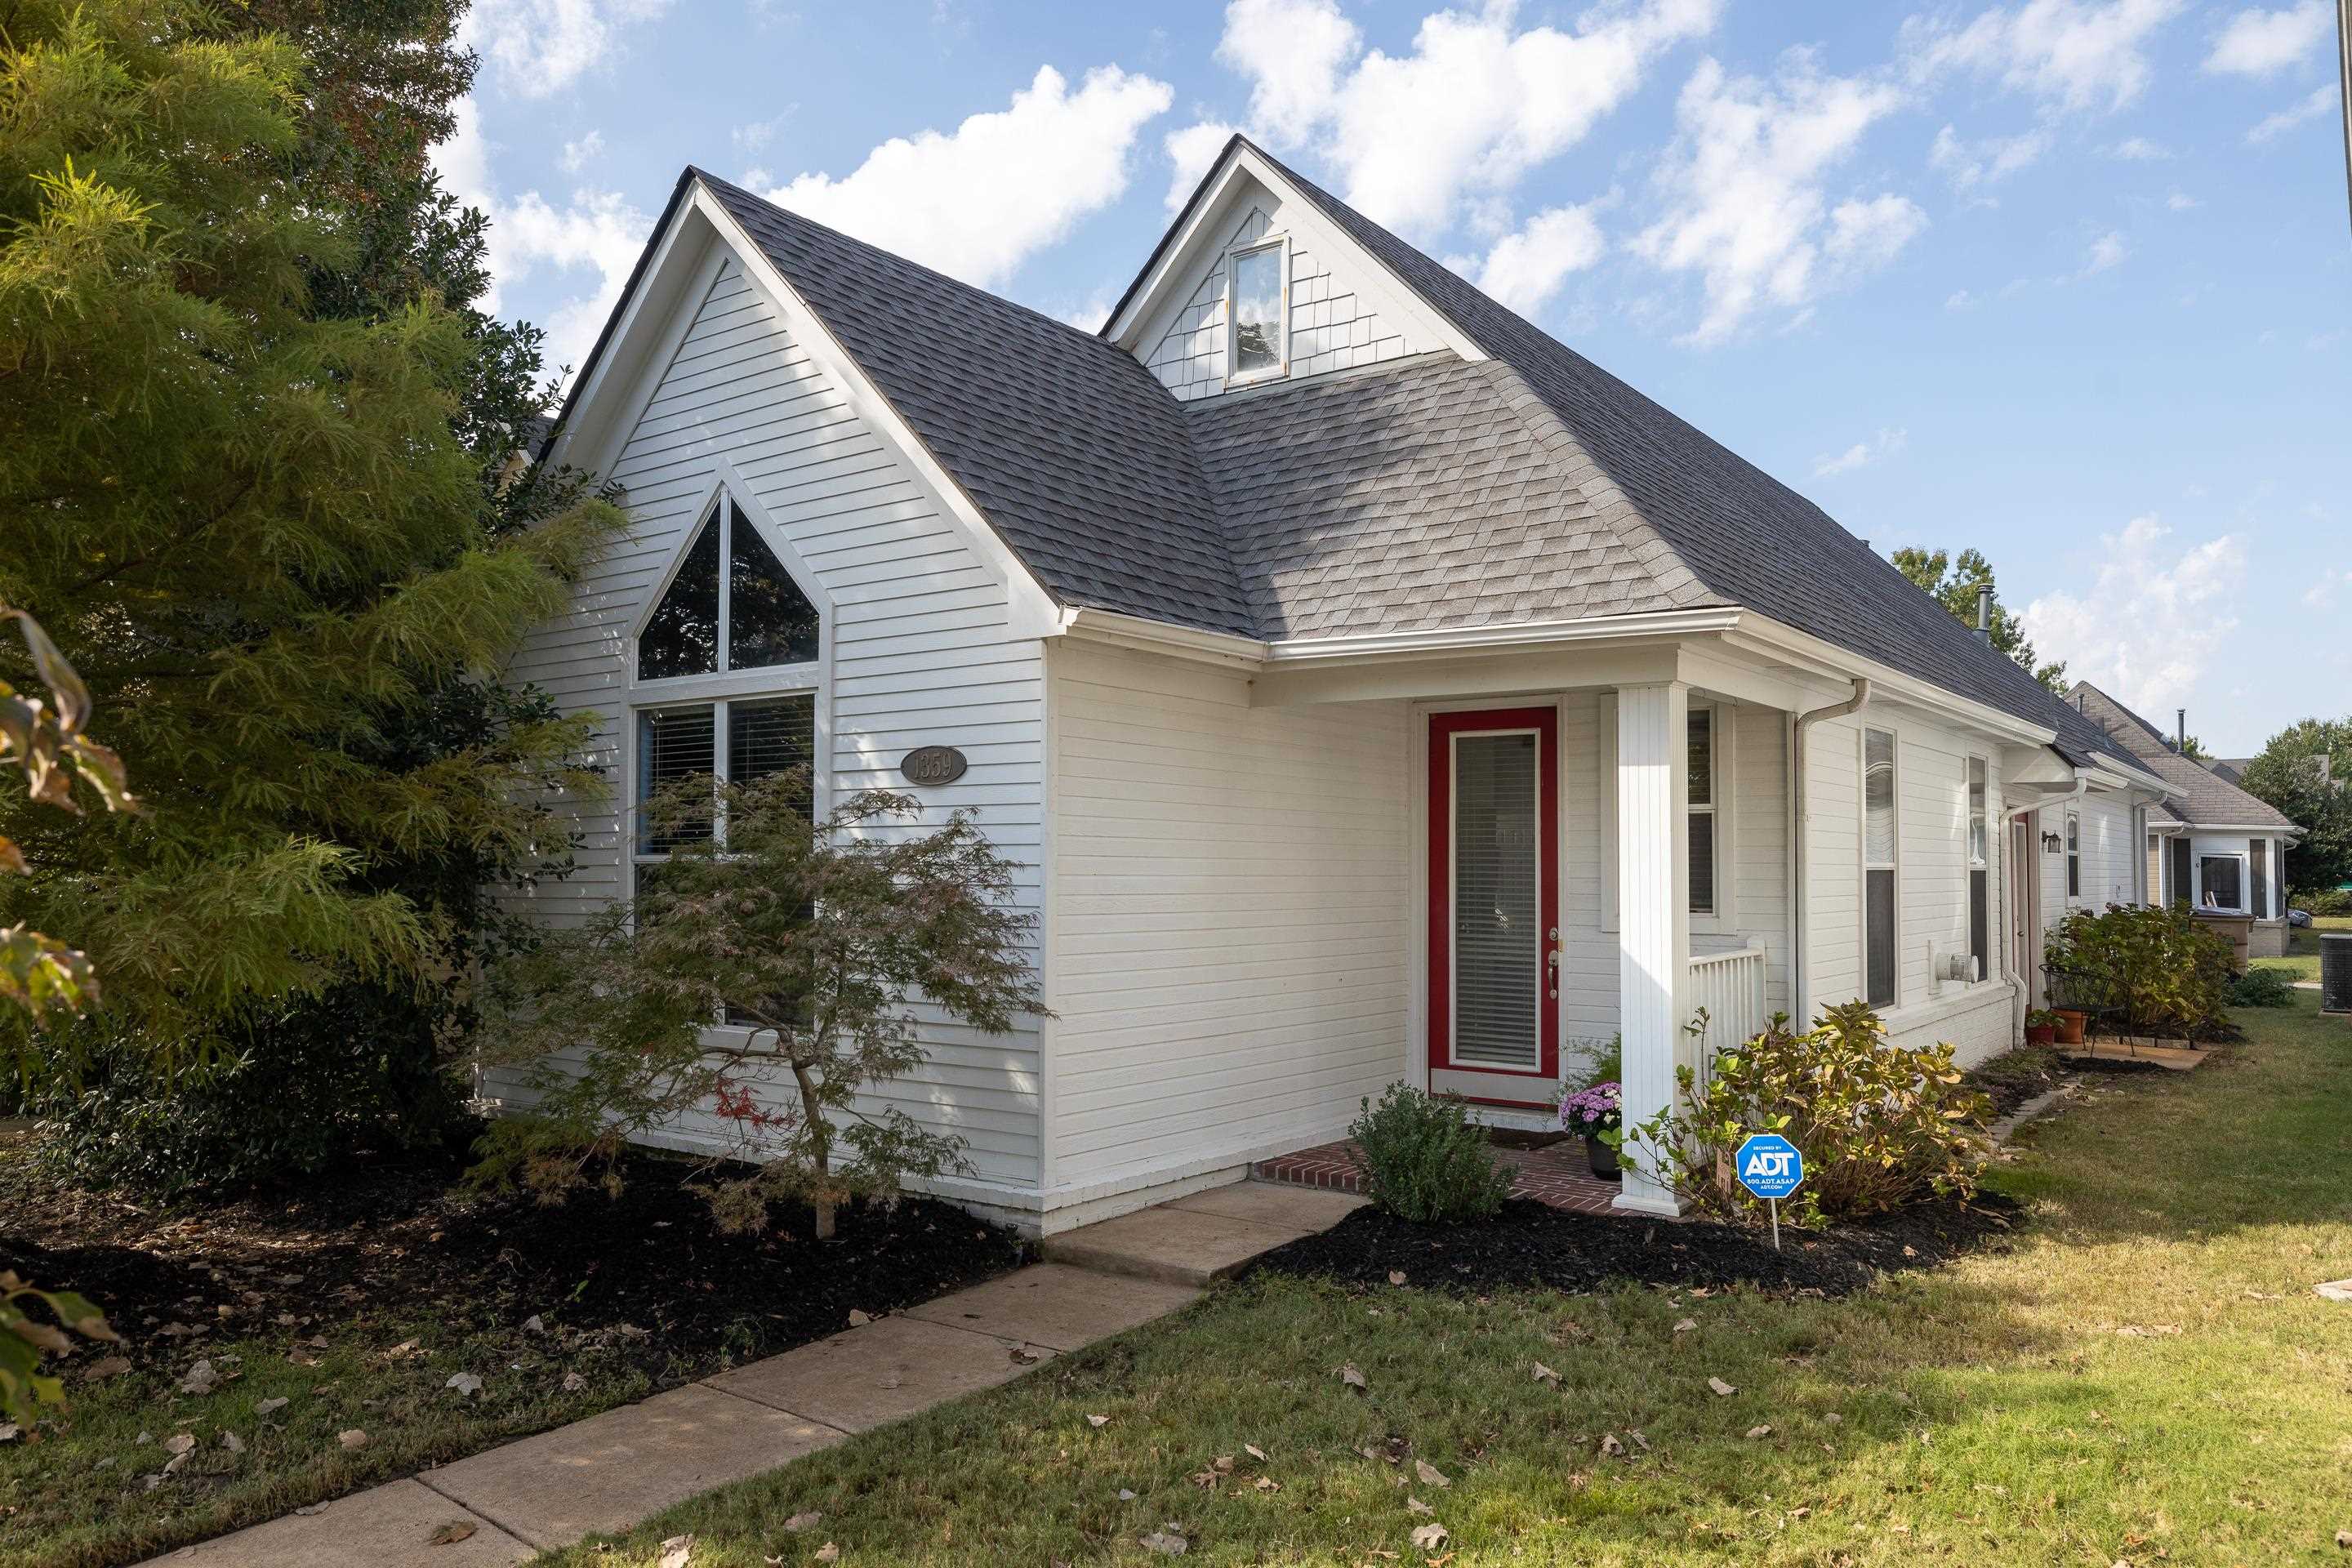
column 2197, row 795
column 1428, row 494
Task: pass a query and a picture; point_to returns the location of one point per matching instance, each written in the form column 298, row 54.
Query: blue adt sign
column 1769, row 1166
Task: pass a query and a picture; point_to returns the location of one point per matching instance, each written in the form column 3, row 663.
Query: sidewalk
column 611, row 1470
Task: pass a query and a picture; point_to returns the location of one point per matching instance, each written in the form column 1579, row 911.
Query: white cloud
column 1862, row 454
column 2321, row 101
column 2152, row 618
column 1474, row 104
column 1089, row 316
column 2321, row 595
column 2181, row 202
column 2258, row 42
column 2140, row 148
column 2078, row 54
column 1191, row 151
column 1528, row 267
column 578, row 155
column 977, row 202
column 1961, row 300
column 537, row 47
column 1971, row 164
column 597, row 232
column 751, row 140
column 1743, row 182
column 2106, row 253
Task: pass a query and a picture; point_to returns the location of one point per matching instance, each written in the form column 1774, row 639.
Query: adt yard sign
column 1769, row 1166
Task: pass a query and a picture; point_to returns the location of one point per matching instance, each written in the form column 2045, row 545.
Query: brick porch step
column 1558, row 1175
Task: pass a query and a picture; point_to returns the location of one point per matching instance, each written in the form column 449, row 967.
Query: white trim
column 1279, row 243
column 1504, row 638
column 2197, row 858
column 1862, row 838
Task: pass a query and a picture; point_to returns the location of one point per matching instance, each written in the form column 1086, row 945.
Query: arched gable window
column 731, row 607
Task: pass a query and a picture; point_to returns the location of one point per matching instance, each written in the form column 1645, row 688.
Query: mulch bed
column 646, row 1275
column 1528, row 1243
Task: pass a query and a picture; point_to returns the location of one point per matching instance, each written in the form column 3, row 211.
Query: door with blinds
column 1494, row 904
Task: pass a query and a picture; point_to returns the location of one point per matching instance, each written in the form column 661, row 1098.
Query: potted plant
column 1596, row 1115
column 2041, row 1028
column 2071, row 1022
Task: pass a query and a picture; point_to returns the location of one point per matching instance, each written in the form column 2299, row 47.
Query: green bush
column 1424, row 1159
column 1879, row 1125
column 2262, row 988
column 301, row 1089
column 2162, row 970
column 2321, row 903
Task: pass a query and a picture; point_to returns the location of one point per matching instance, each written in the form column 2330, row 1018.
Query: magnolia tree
column 763, row 977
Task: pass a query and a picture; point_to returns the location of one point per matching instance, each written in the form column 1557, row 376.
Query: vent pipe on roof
column 2180, row 730
column 1984, row 611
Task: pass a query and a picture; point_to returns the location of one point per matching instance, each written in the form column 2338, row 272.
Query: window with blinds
column 740, row 741
column 1497, row 935
column 672, row 743
column 770, row 737
column 1980, row 870
column 1879, row 853
column 1702, row 814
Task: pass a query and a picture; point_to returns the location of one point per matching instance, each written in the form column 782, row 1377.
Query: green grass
column 2146, row 1377
column 2302, row 960
column 71, row 1494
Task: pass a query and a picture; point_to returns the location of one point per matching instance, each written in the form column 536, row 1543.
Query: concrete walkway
column 610, row 1471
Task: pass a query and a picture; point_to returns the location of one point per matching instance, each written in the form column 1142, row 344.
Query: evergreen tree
column 248, row 477
column 1953, row 583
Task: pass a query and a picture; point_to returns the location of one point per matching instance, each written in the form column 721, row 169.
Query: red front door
column 1494, row 904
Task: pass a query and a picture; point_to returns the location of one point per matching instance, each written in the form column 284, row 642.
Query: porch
column 1556, row 1174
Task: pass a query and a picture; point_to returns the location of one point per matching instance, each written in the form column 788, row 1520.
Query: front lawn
column 2144, row 1376
column 259, row 1333
column 2302, row 960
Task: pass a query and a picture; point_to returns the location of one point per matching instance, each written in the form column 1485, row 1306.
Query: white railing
column 1730, row 987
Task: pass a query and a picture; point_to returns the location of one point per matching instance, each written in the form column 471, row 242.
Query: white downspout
column 2020, row 981
column 1799, row 980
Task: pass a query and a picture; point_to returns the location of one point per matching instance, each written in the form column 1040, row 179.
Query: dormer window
column 732, row 605
column 1257, row 288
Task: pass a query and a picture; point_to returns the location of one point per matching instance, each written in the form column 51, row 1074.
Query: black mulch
column 1528, row 1243
column 646, row 1276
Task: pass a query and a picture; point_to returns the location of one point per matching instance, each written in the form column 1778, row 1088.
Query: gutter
column 1799, row 980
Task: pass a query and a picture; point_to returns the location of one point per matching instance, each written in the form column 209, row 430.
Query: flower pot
column 2042, row 1034
column 1602, row 1157
column 2071, row 1023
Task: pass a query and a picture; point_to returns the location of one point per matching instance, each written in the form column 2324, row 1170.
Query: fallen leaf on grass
column 1098, row 1422
column 269, row 1406
column 233, row 1443
column 1125, row 1495
column 1611, row 1446
column 1254, row 1452
column 1396, row 1276
column 1763, row 1431
column 201, row 1379
column 1429, row 1537
column 1430, row 1473
column 467, row 1384
column 104, row 1367
column 1353, row 1378
column 1723, row 1390
column 10, row 1431
column 1686, row 1325
column 1414, row 1505
column 1546, row 1374
column 828, row 1552
column 800, row 1521
column 574, row 1383
column 354, row 1439
column 1166, row 1541
column 310, row 1510
column 1635, row 1432
column 1268, row 1484
column 677, row 1552
column 532, row 1325
column 449, row 1534
column 179, row 1442
column 1022, row 1357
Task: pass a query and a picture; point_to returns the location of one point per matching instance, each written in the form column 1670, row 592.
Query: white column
column 1653, row 912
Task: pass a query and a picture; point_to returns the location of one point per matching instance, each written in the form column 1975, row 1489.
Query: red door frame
column 1442, row 728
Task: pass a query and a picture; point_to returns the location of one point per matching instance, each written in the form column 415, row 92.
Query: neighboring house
column 2211, row 844
column 1371, row 687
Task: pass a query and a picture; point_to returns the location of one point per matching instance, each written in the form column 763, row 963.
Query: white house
column 2211, row 844
column 1372, row 688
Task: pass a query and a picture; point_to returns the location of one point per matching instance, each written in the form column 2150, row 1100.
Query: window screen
column 1257, row 310
column 1702, row 811
column 1878, row 866
column 2258, row 873
column 2224, row 881
column 672, row 743
column 2181, row 893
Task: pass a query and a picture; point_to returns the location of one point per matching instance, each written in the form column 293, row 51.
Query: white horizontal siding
column 1230, row 919
column 921, row 649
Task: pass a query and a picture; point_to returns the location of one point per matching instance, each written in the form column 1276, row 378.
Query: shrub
column 2262, row 988
column 2322, row 902
column 303, row 1087
column 1424, row 1159
column 2162, row 971
column 1879, row 1125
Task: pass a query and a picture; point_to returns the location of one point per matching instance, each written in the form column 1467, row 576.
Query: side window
column 2073, row 854
column 1879, row 860
column 1704, row 838
column 1260, row 345
column 731, row 607
column 1979, row 871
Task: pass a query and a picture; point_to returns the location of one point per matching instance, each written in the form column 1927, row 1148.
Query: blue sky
column 2067, row 280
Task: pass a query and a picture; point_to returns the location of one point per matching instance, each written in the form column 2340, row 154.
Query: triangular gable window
column 761, row 618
